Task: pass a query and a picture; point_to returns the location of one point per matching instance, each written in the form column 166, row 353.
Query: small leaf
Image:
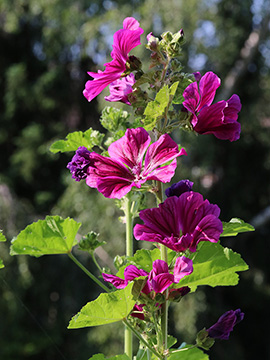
column 90, row 242
column 235, row 226
column 53, row 235
column 116, row 357
column 2, row 237
column 189, row 354
column 106, row 309
column 114, row 120
column 1, row 264
column 214, row 265
column 88, row 139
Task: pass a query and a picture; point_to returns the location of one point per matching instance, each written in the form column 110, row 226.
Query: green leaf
column 156, row 109
column 116, row 357
column 189, row 354
column 114, row 119
column 106, row 309
column 235, row 226
column 183, row 83
column 2, row 239
column 53, row 235
column 214, row 265
column 88, row 138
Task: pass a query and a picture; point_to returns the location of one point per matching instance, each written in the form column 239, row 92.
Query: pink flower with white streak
column 132, row 162
column 124, row 40
column 220, row 118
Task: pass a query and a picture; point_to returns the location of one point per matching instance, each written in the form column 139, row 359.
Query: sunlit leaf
column 214, row 265
column 2, row 239
column 106, row 309
column 53, row 235
column 116, row 357
column 88, row 139
column 235, row 226
column 189, row 354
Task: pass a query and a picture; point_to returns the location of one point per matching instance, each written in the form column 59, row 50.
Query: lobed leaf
column 235, row 226
column 189, row 354
column 106, row 309
column 88, row 139
column 214, row 265
column 53, row 235
column 116, row 357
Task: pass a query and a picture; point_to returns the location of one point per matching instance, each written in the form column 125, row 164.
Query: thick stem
column 129, row 252
column 164, row 257
column 88, row 273
column 142, row 340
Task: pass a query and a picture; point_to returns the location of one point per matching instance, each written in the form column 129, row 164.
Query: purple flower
column 80, row 163
column 220, row 118
column 225, row 324
column 124, row 40
column 126, row 167
column 120, row 88
column 180, row 223
column 179, row 188
column 159, row 278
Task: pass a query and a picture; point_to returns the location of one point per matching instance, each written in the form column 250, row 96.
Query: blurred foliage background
column 46, row 49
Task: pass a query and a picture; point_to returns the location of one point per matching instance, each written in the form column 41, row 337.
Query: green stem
column 142, row 340
column 88, row 273
column 129, row 252
column 96, row 263
column 164, row 257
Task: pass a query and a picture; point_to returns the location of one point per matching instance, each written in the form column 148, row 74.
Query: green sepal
column 106, row 309
column 116, row 357
column 54, row 235
column 189, row 353
column 203, row 340
column 88, row 139
column 90, row 242
column 214, row 265
column 235, row 226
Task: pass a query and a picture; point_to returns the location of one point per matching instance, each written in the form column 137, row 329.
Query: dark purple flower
column 159, row 278
column 137, row 311
column 80, row 163
column 180, row 223
column 179, row 188
column 225, row 324
column 219, row 119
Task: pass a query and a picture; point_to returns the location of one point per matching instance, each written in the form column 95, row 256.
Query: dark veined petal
column 131, row 148
column 207, row 88
column 183, row 266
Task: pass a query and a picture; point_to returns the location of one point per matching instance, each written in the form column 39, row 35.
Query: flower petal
column 160, row 152
column 207, row 88
column 114, row 187
column 131, row 148
column 192, row 97
column 161, row 282
column 183, row 266
column 115, row 280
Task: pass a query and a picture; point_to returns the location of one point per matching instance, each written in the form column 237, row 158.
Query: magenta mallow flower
column 120, row 88
column 220, row 118
column 124, row 40
column 225, row 324
column 159, row 278
column 180, row 223
column 179, row 188
column 131, row 163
